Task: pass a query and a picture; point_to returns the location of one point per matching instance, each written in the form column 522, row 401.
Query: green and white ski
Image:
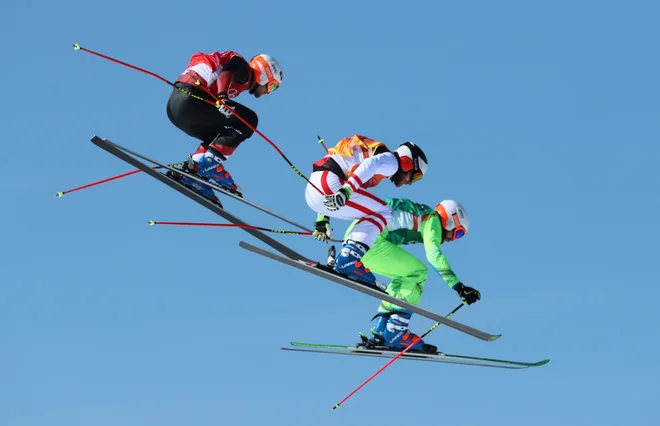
column 417, row 356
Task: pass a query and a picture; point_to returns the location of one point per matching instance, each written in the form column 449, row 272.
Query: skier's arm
column 431, row 231
column 385, row 164
column 237, row 69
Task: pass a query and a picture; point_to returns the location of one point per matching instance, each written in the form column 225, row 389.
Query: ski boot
column 210, row 167
column 198, row 187
column 377, row 331
column 348, row 263
column 397, row 336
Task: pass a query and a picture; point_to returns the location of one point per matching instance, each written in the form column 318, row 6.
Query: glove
column 222, row 106
column 337, row 200
column 468, row 294
column 322, row 232
column 226, row 111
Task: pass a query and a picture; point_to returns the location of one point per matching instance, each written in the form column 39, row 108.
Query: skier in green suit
column 413, row 223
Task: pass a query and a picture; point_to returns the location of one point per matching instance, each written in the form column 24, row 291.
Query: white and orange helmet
column 454, row 218
column 267, row 72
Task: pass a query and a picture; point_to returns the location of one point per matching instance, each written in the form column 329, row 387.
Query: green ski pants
column 408, row 273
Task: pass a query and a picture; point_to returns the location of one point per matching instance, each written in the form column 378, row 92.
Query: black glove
column 334, row 202
column 469, row 294
column 322, row 232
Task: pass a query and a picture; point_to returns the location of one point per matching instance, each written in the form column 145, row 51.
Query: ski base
column 382, row 352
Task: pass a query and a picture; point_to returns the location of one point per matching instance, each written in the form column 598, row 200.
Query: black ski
column 118, row 151
column 107, row 145
column 328, row 273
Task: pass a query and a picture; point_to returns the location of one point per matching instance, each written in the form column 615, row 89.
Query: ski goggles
column 456, row 233
column 416, row 176
column 272, row 86
column 459, row 230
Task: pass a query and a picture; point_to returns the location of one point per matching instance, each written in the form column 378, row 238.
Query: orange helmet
column 267, row 72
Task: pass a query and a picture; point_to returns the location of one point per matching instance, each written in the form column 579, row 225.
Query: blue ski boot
column 210, row 166
column 348, row 263
column 200, row 188
column 398, row 337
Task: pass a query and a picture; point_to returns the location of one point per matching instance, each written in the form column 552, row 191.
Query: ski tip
column 151, row 223
column 76, row 46
column 335, row 407
column 531, row 364
column 59, row 194
column 494, row 337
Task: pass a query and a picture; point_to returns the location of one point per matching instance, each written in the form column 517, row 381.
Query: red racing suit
column 207, row 69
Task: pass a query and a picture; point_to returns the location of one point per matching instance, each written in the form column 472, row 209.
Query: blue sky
column 541, row 118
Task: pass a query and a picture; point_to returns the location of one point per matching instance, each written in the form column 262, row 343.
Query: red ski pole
column 337, row 405
column 217, row 104
column 89, row 185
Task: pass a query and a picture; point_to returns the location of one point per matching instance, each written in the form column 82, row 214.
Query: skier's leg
column 408, row 273
column 372, row 213
column 194, row 117
column 328, row 183
column 408, row 276
column 228, row 146
column 220, row 132
column 210, row 160
column 191, row 116
column 398, row 336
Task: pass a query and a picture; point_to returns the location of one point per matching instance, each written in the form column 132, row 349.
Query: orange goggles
column 416, row 176
column 459, row 230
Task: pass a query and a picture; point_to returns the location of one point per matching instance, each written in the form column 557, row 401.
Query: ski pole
column 321, row 142
column 277, row 231
column 217, row 104
column 397, row 357
column 89, row 185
